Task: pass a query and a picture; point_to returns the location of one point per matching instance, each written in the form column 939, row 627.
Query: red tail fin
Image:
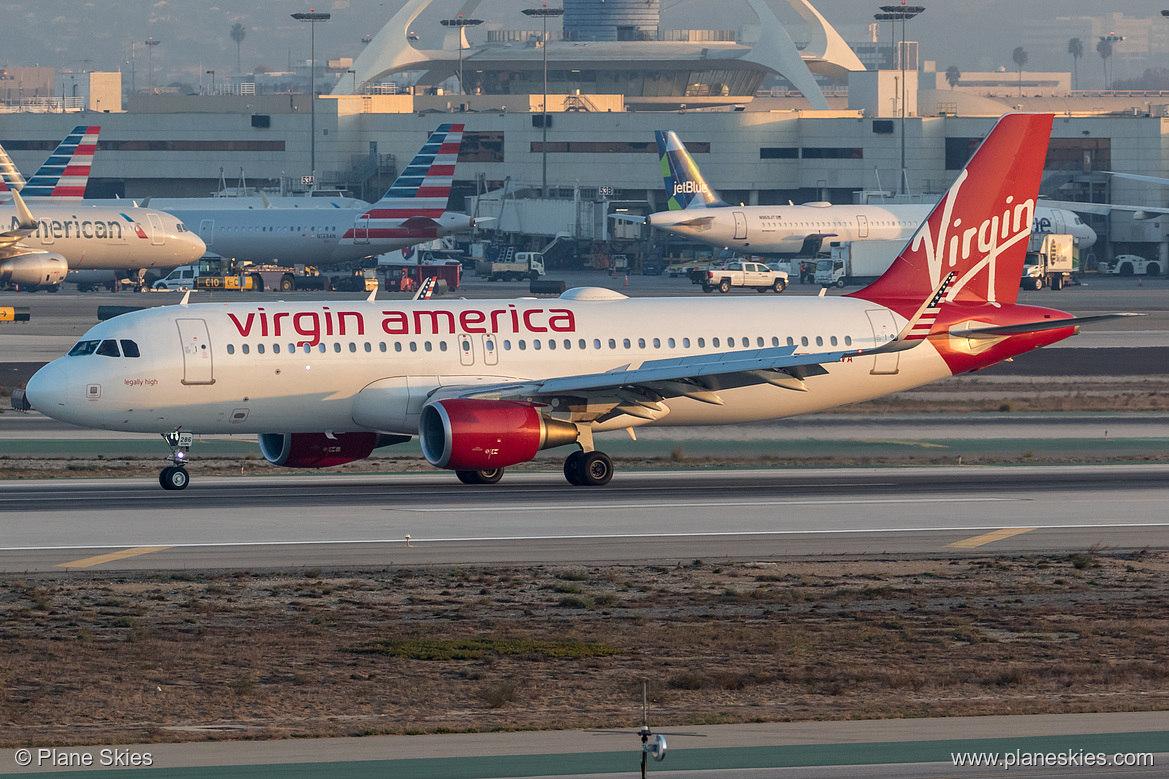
column 979, row 229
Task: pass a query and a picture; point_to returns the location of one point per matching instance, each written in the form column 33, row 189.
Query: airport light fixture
column 150, row 44
column 312, row 17
column 1113, row 39
column 460, row 23
column 212, row 74
column 893, row 14
column 544, row 12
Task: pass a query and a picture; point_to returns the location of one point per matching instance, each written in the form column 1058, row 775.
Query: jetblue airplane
column 697, row 212
column 487, row 384
column 411, row 212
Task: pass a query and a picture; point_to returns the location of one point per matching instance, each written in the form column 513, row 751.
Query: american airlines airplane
column 488, row 384
column 411, row 212
column 65, row 233
column 697, row 212
column 65, row 173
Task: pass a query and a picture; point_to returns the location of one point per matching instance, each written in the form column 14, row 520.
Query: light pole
column 893, row 13
column 1113, row 39
column 212, row 74
column 150, row 44
column 460, row 23
column 312, row 17
column 544, row 12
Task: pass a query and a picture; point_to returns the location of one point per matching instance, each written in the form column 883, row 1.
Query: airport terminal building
column 605, row 99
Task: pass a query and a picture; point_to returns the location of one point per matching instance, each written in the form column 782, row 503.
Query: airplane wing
column 635, row 218
column 1137, row 177
column 27, row 223
column 1104, row 209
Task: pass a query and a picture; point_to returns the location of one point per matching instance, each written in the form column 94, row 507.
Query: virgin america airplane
column 487, row 384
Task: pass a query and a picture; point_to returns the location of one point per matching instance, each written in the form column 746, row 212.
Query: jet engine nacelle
column 316, row 450
column 45, row 270
column 476, row 435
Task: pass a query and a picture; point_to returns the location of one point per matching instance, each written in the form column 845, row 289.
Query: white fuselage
column 782, row 229
column 309, row 236
column 107, row 238
column 338, row 366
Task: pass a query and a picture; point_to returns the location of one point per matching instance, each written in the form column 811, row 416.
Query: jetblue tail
column 685, row 186
column 979, row 229
column 66, row 171
column 423, row 187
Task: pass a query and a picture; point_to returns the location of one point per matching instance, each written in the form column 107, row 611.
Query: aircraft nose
column 198, row 247
column 48, row 390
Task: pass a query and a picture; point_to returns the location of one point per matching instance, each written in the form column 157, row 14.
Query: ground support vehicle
column 1132, row 265
column 856, row 262
column 738, row 273
column 1050, row 261
column 512, row 266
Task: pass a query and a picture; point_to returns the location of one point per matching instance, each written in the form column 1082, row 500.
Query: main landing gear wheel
column 588, row 469
column 490, row 476
column 174, row 477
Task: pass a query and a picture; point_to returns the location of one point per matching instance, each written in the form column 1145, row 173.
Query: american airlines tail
column 685, row 185
column 424, row 187
column 979, row 229
column 66, row 172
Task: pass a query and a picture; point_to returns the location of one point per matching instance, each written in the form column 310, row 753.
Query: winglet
column 27, row 220
column 920, row 324
column 186, row 298
column 372, row 295
column 426, row 288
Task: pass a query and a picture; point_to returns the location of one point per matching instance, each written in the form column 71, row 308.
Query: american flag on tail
column 923, row 321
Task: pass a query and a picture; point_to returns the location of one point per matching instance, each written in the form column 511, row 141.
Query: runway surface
column 537, row 518
column 877, row 749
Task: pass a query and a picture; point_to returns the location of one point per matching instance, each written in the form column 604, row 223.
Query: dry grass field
column 109, row 658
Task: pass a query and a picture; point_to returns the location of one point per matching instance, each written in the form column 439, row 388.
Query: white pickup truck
column 744, row 274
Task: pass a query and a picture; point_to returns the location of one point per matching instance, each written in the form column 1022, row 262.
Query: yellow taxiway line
column 987, row 538
column 109, row 558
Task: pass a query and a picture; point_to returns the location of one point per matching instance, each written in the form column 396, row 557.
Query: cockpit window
column 109, row 349
column 130, row 349
column 83, row 348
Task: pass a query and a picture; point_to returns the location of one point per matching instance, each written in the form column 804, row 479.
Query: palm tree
column 1076, row 49
column 953, row 76
column 238, row 33
column 1104, row 49
column 1020, row 58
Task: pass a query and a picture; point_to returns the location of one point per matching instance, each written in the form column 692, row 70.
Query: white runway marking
column 587, row 537
column 707, row 504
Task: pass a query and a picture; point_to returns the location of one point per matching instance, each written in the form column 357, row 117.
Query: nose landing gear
column 175, row 477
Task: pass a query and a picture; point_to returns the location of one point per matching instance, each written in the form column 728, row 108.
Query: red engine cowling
column 477, row 435
column 316, row 450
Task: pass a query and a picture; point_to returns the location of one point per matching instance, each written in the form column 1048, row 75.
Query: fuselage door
column 740, row 225
column 862, row 226
column 361, row 229
column 157, row 233
column 884, row 330
column 196, row 344
column 466, row 350
column 207, row 231
column 490, row 353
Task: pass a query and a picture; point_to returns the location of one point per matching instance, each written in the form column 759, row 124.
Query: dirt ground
column 109, row 658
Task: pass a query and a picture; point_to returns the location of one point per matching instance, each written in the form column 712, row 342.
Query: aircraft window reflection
column 243, row 348
column 523, row 344
column 804, row 341
column 506, row 345
column 670, row 342
column 790, row 341
column 848, row 340
column 625, row 342
column 397, row 346
column 640, row 343
column 260, row 348
column 231, row 348
column 685, row 343
column 701, row 343
column 819, row 340
column 83, row 348
column 832, row 340
column 368, row 346
column 275, row 348
column 353, row 346
column 714, row 342
column 536, row 343
column 130, row 349
column 612, row 344
column 413, row 346
column 441, row 346
column 427, row 346
column 108, row 349
column 759, row 341
column 657, row 343
column 551, row 344
column 596, row 343
column 382, row 346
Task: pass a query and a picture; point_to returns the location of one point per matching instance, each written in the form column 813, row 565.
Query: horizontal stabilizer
column 1034, row 327
column 629, row 218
